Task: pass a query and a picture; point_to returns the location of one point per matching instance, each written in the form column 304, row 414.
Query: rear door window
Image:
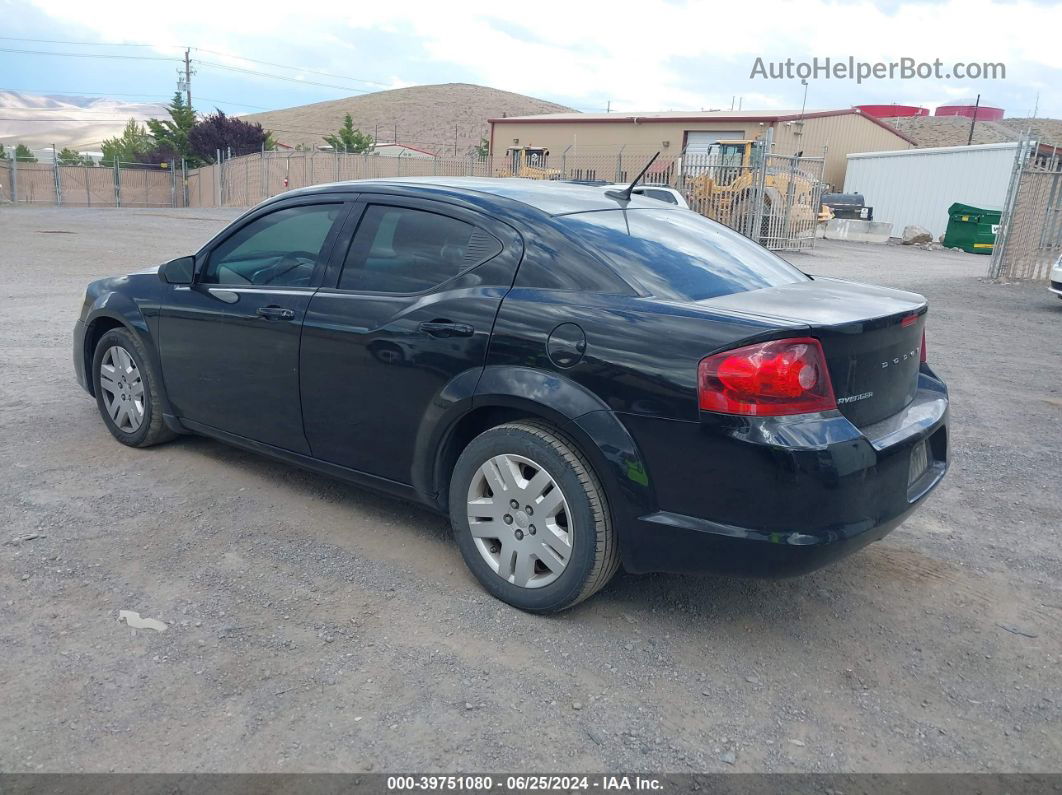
column 679, row 255
column 406, row 250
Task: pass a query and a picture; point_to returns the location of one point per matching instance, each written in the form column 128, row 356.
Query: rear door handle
column 275, row 313
column 444, row 328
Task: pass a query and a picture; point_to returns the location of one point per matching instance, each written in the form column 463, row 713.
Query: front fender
column 109, row 309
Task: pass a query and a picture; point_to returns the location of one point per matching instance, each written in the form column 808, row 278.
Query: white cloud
column 637, row 54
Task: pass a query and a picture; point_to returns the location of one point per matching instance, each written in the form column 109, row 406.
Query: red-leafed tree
column 229, row 135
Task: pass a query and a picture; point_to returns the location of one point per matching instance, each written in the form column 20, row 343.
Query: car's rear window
column 678, row 254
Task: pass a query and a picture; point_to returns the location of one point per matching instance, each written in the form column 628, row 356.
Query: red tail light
column 923, row 358
column 767, row 379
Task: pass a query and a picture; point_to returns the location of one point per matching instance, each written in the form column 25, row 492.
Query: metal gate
column 792, row 200
column 1030, row 234
column 773, row 199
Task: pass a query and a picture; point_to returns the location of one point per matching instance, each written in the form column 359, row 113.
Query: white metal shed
column 916, row 186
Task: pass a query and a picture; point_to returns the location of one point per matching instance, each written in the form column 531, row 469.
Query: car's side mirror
column 178, row 271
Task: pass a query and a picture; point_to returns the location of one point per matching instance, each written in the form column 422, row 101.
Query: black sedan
column 579, row 379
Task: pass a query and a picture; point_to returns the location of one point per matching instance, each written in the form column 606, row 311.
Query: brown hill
column 929, row 131
column 1046, row 131
column 439, row 118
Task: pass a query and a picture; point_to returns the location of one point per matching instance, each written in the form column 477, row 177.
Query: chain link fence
column 112, row 185
column 1030, row 232
column 770, row 198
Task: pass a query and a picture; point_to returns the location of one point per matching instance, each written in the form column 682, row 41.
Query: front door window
column 280, row 249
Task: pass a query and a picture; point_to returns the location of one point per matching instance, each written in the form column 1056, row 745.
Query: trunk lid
column 871, row 336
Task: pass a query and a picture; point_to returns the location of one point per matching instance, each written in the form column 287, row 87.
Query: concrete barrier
column 855, row 230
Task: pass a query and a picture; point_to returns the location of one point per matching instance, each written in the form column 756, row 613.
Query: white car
column 661, row 192
column 1056, row 278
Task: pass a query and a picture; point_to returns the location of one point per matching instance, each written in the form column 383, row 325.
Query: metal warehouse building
column 917, row 186
column 839, row 132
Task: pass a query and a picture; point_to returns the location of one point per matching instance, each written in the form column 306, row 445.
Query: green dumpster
column 972, row 229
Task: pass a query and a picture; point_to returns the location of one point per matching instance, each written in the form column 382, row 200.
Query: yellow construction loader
column 724, row 188
column 528, row 162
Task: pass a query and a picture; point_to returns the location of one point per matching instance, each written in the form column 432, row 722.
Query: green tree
column 68, row 157
column 171, row 135
column 349, row 139
column 24, row 155
column 3, row 152
column 482, row 149
column 131, row 146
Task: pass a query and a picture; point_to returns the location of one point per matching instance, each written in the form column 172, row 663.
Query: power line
column 55, row 110
column 198, row 49
column 55, row 91
column 108, row 94
column 294, row 68
column 206, row 63
column 65, row 121
column 83, row 43
column 88, row 55
column 237, row 104
column 214, row 65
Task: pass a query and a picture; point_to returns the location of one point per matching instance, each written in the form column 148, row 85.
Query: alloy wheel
column 519, row 520
column 123, row 389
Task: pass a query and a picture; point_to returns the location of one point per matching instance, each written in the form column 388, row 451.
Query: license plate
column 919, row 462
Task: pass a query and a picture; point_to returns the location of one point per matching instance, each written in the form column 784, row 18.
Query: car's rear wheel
column 127, row 390
column 531, row 519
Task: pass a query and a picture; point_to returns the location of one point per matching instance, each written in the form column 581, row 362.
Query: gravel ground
column 313, row 626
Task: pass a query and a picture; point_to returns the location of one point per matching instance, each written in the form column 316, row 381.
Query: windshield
column 679, row 255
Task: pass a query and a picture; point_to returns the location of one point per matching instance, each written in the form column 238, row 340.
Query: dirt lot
column 315, row 626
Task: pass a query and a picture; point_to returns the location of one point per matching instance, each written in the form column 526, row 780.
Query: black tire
column 594, row 556
column 152, row 429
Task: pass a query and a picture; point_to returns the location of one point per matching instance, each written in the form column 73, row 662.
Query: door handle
column 444, row 328
column 275, row 313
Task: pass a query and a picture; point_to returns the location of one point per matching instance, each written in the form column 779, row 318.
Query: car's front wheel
column 127, row 390
column 531, row 519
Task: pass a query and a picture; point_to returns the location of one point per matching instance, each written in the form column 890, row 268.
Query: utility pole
column 973, row 119
column 188, row 76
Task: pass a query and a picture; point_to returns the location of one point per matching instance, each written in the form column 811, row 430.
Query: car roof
column 552, row 197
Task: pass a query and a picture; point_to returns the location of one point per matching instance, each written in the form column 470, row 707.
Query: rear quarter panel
column 640, row 356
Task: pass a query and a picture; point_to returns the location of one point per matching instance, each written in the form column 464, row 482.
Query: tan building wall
column 581, row 140
column 598, row 138
column 841, row 135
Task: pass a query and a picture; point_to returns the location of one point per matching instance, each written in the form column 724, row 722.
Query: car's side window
column 280, row 249
column 407, row 250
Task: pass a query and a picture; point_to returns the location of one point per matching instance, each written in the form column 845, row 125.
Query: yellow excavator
column 726, row 190
column 528, row 162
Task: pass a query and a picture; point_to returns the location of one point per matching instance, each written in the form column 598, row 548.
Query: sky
column 627, row 56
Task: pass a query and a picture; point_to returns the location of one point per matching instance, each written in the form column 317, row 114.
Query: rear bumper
column 80, row 329
column 777, row 497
